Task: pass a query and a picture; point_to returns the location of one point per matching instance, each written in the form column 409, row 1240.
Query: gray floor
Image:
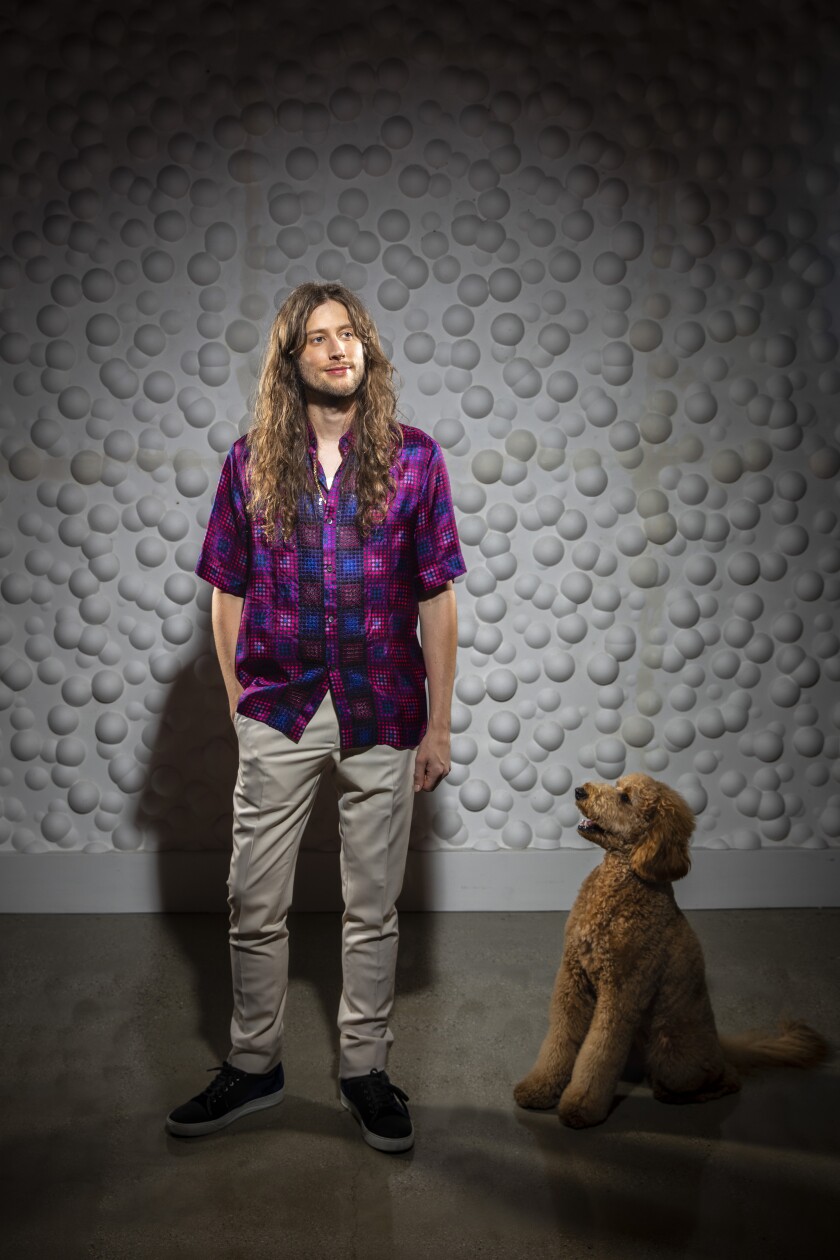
column 110, row 1021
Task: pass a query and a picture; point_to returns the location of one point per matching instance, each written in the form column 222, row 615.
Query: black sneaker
column 380, row 1109
column 232, row 1094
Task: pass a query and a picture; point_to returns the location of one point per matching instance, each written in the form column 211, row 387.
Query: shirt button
column 330, row 619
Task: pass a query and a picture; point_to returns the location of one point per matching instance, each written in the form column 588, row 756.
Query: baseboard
column 119, row 883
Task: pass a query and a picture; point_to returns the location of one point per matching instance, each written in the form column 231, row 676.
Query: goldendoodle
column 632, row 974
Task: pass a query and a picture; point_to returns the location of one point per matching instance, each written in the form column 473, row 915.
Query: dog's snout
column 580, row 794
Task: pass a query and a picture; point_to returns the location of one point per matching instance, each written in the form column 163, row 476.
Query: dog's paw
column 536, row 1094
column 576, row 1114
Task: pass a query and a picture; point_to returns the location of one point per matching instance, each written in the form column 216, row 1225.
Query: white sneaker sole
column 212, row 1126
column 390, row 1145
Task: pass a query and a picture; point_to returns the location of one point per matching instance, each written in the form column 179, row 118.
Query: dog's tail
column 795, row 1045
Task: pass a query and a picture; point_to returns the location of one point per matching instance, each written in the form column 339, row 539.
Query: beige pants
column 274, row 794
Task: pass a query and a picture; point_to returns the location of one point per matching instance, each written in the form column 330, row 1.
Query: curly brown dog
column 632, row 974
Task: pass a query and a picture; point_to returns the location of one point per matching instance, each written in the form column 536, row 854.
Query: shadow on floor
column 100, row 1024
column 482, row 1181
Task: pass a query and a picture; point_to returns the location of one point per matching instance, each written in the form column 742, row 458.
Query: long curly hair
column 279, row 467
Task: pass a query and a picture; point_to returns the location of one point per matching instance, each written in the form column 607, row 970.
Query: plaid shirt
column 331, row 609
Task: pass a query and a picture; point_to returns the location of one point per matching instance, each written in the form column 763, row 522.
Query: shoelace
column 380, row 1093
column 227, row 1077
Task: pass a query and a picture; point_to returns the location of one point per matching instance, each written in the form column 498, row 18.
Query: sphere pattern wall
column 607, row 279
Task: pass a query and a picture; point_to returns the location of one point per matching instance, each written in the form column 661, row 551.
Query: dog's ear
column 662, row 856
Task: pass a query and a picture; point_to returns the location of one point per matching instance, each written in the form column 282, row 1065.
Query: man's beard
column 338, row 387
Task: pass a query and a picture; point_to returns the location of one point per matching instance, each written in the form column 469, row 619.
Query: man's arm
column 226, row 614
column 439, row 641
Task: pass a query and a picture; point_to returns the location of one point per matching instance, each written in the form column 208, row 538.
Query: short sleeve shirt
column 331, row 609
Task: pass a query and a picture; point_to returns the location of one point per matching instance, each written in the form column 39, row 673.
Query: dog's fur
column 632, row 973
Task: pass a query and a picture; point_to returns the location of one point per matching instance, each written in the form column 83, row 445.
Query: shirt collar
column 345, row 443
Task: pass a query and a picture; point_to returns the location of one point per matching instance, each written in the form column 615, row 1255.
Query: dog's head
column 643, row 818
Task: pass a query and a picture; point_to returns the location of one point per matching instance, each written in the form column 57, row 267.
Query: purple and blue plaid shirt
column 331, row 609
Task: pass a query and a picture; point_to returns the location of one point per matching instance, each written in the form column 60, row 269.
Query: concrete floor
column 109, row 1021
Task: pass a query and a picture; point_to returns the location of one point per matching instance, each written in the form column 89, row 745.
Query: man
column 332, row 530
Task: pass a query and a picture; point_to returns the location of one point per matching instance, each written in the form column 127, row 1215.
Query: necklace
column 318, row 485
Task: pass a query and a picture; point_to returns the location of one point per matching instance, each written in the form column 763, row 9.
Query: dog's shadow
column 618, row 1182
column 675, row 1178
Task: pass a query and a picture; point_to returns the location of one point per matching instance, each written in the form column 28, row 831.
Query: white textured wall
column 600, row 241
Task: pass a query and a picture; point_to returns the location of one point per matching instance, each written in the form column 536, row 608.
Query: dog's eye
column 624, row 798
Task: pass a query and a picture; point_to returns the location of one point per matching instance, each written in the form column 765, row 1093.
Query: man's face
column 333, row 361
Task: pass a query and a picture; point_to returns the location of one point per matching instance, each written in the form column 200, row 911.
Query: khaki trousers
column 274, row 794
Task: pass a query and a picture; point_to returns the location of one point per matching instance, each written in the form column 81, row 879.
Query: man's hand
column 226, row 614
column 432, row 762
column 439, row 640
